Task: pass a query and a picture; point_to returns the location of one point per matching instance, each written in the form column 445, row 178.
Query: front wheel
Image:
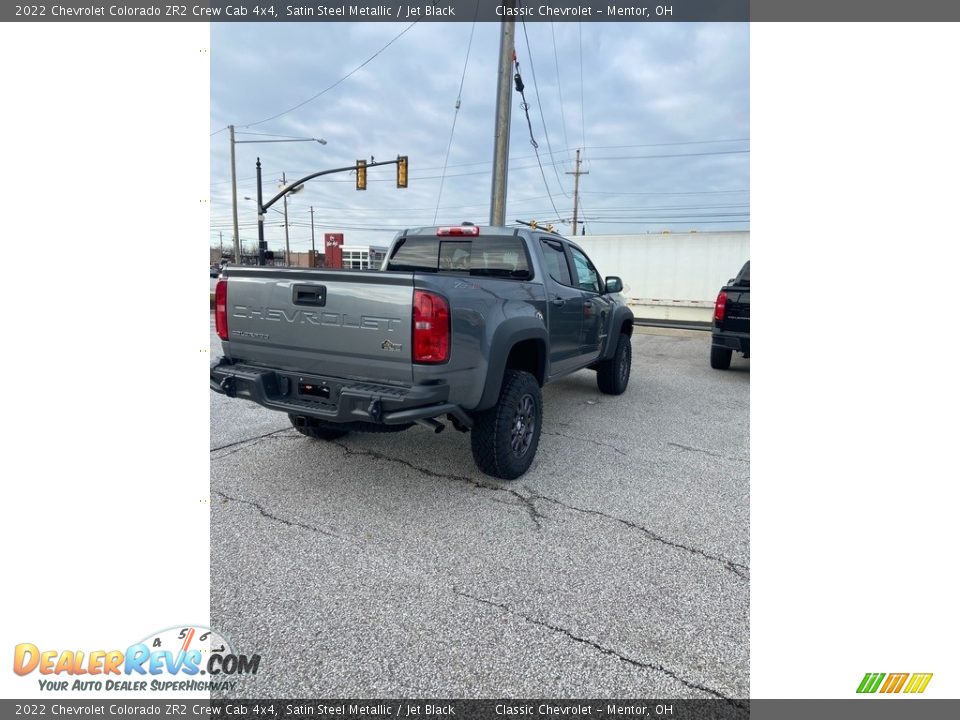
column 614, row 374
column 504, row 438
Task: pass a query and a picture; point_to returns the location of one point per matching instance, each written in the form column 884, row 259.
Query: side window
column 556, row 262
column 587, row 277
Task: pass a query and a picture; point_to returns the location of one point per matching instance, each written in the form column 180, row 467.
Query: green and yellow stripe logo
column 894, row 682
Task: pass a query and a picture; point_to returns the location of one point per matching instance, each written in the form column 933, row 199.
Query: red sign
column 333, row 244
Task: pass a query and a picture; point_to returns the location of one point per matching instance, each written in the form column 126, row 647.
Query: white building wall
column 673, row 276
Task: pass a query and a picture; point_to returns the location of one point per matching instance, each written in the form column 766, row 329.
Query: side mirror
column 613, row 285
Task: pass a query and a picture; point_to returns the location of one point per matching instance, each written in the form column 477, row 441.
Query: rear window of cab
column 493, row 256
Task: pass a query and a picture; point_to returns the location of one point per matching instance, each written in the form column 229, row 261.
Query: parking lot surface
column 388, row 566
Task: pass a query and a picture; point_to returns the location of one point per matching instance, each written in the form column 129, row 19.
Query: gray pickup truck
column 465, row 323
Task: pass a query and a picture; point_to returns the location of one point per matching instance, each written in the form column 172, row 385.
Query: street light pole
column 286, row 225
column 233, row 171
column 313, row 242
column 262, row 244
column 233, row 176
column 298, row 185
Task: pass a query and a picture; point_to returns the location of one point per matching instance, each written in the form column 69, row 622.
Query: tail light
column 220, row 308
column 720, row 308
column 431, row 327
column 460, row 231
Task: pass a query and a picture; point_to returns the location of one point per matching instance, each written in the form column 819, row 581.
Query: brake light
column 220, row 308
column 431, row 327
column 459, row 231
column 720, row 308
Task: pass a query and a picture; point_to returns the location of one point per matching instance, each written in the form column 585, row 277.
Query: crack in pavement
column 597, row 646
column 598, row 443
column 736, row 568
column 689, row 448
column 270, row 516
column 525, row 502
column 246, row 442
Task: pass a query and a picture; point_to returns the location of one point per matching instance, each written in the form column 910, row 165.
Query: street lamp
column 286, row 224
column 233, row 174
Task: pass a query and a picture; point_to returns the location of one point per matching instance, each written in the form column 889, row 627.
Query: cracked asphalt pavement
column 389, row 566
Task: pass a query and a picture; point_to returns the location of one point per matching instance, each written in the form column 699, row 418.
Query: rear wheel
column 614, row 374
column 315, row 429
column 504, row 438
column 720, row 357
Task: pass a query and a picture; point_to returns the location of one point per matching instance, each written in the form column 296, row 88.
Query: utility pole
column 233, row 176
column 576, row 189
column 286, row 227
column 313, row 242
column 221, row 245
column 501, row 134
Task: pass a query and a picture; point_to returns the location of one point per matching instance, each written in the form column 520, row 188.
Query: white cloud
column 643, row 84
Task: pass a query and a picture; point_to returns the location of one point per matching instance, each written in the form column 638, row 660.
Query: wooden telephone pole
column 576, row 189
column 501, row 134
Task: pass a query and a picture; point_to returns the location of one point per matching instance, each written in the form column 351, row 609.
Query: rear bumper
column 734, row 341
column 334, row 400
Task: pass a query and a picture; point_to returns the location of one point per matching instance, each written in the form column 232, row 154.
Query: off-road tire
column 720, row 357
column 318, row 430
column 504, row 438
column 613, row 375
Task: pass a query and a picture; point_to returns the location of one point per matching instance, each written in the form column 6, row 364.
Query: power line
column 331, row 87
column 526, row 111
column 543, row 119
column 556, row 64
column 568, row 149
column 456, row 111
column 583, row 126
column 666, row 144
column 669, row 222
column 673, row 155
column 601, row 213
column 692, row 192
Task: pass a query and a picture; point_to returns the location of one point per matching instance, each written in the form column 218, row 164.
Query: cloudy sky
column 661, row 113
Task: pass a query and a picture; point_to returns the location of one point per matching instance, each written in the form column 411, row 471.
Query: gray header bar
column 484, row 10
column 404, row 11
column 873, row 708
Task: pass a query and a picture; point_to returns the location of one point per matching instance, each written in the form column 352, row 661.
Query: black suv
column 731, row 320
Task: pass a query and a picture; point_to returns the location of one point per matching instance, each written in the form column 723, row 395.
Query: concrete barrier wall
column 672, row 276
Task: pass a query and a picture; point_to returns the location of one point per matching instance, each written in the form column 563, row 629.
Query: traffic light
column 401, row 171
column 361, row 174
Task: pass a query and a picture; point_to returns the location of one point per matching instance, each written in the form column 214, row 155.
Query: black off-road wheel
column 613, row 375
column 504, row 438
column 720, row 357
column 316, row 429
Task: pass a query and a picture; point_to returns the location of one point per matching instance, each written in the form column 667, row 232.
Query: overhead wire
column 583, row 126
column 456, row 112
column 543, row 119
column 556, row 64
column 331, row 87
column 518, row 83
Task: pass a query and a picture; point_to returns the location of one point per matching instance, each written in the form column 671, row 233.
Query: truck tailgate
column 738, row 310
column 332, row 322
